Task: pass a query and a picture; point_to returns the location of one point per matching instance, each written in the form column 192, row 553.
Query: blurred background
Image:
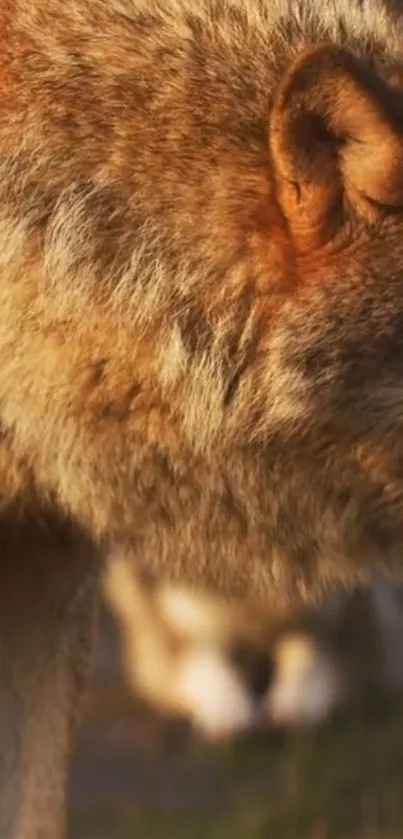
column 141, row 776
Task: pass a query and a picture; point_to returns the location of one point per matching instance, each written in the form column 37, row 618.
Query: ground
column 137, row 777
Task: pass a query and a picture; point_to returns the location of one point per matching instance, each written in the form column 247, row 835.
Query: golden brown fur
column 201, row 329
column 188, row 366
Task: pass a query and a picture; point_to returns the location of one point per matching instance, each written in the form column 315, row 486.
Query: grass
column 344, row 783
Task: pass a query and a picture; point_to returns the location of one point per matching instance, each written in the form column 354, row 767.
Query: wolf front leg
column 48, row 594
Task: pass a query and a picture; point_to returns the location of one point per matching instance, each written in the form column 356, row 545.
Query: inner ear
column 334, row 133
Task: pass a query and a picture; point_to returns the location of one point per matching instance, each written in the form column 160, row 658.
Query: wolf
column 201, row 324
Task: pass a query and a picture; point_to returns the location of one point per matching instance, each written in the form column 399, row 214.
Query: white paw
column 212, row 694
column 306, row 686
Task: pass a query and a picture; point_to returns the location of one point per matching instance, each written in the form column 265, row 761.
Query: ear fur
column 334, row 134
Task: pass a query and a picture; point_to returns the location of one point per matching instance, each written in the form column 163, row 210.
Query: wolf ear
column 334, row 136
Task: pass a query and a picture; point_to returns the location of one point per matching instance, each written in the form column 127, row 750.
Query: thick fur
column 201, row 309
column 177, row 371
